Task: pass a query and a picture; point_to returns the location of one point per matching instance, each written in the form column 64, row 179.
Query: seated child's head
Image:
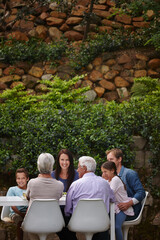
column 108, row 170
column 22, row 178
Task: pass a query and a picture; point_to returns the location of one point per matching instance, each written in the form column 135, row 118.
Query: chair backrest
column 90, row 215
column 43, row 216
column 139, row 218
column 5, row 214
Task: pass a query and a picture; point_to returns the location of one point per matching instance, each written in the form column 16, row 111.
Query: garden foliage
column 62, row 118
column 12, row 50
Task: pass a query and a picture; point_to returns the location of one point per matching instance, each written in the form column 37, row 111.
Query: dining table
column 21, row 201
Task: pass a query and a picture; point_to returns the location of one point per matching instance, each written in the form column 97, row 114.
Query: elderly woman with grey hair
column 44, row 186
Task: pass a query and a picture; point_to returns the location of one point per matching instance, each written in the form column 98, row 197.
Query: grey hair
column 45, row 163
column 89, row 162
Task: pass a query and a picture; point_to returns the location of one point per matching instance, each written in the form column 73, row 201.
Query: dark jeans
column 65, row 233
column 130, row 218
column 137, row 209
column 101, row 236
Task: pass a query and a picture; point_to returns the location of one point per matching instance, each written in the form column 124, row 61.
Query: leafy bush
column 118, row 39
column 145, row 86
column 138, row 7
column 31, row 51
column 81, row 127
column 155, row 40
column 30, row 125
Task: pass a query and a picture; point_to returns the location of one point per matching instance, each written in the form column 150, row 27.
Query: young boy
column 17, row 213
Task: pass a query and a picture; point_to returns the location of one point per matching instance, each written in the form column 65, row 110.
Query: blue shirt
column 89, row 186
column 64, row 181
column 16, row 191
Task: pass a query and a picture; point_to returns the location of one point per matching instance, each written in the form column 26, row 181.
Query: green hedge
column 30, row 125
column 33, row 50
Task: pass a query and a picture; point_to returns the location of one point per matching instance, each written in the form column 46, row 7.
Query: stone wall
column 49, row 24
column 110, row 75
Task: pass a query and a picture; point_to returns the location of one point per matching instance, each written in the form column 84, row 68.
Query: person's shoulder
column 12, row 190
column 53, row 174
column 129, row 171
column 102, row 180
column 32, row 180
column 58, row 182
column 76, row 175
column 131, row 174
column 13, row 187
column 78, row 182
column 116, row 179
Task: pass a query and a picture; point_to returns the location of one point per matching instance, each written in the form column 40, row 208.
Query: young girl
column 109, row 173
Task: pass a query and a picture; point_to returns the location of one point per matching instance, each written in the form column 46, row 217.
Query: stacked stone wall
column 49, row 23
column 110, row 75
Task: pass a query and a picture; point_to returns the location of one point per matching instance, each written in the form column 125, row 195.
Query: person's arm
column 53, row 174
column 115, row 184
column 125, row 205
column 15, row 209
column 112, row 197
column 28, row 191
column 76, row 177
column 11, row 192
column 136, row 188
column 69, row 203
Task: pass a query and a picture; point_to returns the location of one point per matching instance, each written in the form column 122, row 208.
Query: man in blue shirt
column 133, row 184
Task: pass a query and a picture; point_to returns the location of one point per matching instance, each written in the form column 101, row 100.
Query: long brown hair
column 71, row 171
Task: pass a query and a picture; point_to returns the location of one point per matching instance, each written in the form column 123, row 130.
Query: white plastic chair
column 90, row 216
column 5, row 214
column 127, row 224
column 43, row 217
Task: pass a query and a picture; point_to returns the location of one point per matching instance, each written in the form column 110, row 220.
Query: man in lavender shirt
column 88, row 186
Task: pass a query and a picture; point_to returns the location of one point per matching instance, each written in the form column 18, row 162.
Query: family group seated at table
column 117, row 184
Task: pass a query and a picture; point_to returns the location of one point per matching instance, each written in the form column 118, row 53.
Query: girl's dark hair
column 109, row 165
column 71, row 171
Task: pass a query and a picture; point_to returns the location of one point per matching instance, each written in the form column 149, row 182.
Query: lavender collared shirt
column 89, row 186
